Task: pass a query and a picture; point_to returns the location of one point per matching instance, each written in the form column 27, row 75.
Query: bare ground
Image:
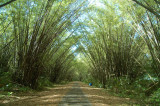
column 53, row 96
column 100, row 97
column 50, row 97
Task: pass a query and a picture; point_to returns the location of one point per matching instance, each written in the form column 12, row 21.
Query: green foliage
column 4, row 59
column 11, row 88
column 115, row 46
column 155, row 97
column 44, row 82
column 5, row 78
column 37, row 37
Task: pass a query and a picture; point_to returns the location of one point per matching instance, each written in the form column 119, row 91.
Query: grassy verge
column 130, row 92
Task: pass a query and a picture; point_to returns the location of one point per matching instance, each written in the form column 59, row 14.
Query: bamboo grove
column 123, row 45
column 114, row 43
column 39, row 42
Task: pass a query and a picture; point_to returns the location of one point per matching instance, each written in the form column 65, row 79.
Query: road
column 75, row 97
column 72, row 94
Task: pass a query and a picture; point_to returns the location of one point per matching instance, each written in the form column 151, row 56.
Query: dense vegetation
column 113, row 44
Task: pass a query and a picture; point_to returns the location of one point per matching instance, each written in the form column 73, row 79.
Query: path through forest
column 75, row 97
column 74, row 93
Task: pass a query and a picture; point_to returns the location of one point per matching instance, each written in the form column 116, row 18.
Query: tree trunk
column 7, row 3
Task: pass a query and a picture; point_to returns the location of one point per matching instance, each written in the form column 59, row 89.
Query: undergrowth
column 135, row 91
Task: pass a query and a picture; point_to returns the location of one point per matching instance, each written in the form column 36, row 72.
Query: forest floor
column 72, row 92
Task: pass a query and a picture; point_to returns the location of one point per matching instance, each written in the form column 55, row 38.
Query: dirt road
column 72, row 94
column 75, row 97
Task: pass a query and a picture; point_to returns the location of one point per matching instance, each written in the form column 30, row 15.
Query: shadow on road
column 75, row 97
